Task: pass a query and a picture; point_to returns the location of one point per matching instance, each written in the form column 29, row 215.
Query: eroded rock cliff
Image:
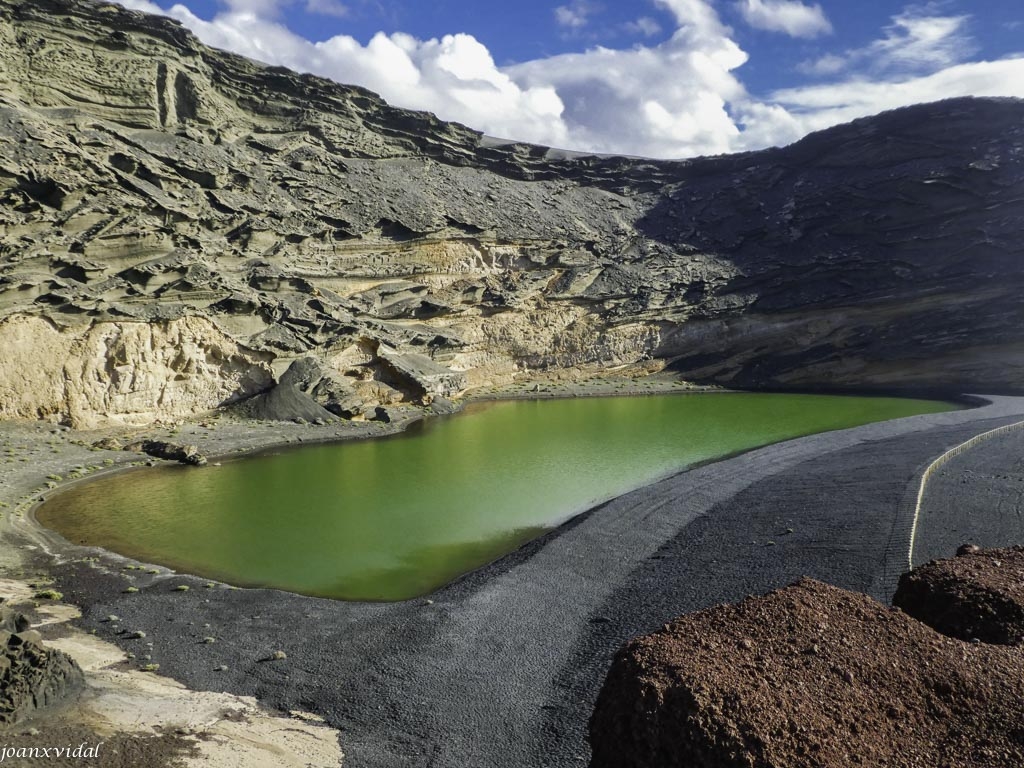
column 156, row 193
column 89, row 374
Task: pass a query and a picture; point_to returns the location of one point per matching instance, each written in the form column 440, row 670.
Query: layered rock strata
column 179, row 225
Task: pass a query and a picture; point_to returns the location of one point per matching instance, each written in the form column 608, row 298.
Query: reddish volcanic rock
column 809, row 676
column 977, row 595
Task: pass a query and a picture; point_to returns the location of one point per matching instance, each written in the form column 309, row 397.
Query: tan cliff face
column 125, row 373
column 150, row 185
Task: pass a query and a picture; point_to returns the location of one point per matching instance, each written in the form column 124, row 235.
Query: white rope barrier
column 937, row 464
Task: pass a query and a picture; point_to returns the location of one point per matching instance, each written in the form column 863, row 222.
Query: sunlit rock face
column 258, row 217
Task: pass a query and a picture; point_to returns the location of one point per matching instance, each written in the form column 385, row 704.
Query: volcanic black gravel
column 976, row 497
column 501, row 668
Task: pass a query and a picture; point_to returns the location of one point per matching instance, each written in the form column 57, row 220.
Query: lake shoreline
column 91, row 581
column 532, row 608
column 234, row 437
column 399, row 517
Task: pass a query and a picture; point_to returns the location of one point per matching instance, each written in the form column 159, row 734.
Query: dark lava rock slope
column 158, row 195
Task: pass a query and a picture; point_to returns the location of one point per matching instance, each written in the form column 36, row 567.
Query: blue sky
column 666, row 78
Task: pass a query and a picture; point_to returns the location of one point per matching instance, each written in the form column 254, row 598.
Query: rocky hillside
column 178, row 226
column 810, row 676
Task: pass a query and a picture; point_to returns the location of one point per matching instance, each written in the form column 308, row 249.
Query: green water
column 393, row 518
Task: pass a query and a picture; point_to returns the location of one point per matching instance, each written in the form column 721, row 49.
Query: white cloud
column 789, row 16
column 792, row 113
column 142, row 5
column 917, row 40
column 645, row 26
column 455, row 76
column 697, row 15
column 327, row 8
column 267, row 8
column 679, row 98
column 575, row 16
column 827, row 65
column 666, row 100
column 820, row 106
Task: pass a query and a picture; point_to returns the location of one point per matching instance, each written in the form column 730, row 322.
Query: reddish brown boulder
column 977, row 595
column 810, row 676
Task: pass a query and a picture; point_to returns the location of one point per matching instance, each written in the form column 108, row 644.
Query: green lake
column 397, row 517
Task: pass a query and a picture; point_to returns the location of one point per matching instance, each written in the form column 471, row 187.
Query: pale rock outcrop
column 121, row 372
